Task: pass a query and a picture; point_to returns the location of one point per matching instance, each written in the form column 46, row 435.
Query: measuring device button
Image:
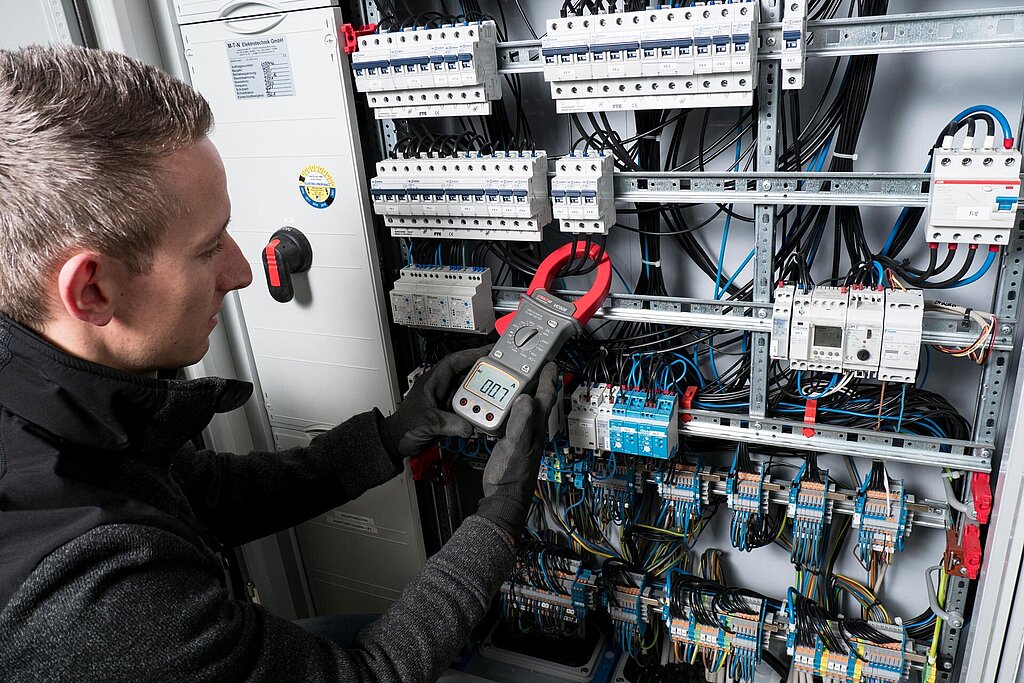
column 525, row 368
column 552, row 323
column 497, row 353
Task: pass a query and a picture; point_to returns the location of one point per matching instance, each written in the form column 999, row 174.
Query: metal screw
column 963, row 571
column 945, row 161
column 792, row 80
column 1006, row 329
column 988, row 161
column 984, row 452
column 1009, row 162
column 762, row 313
column 766, row 185
column 770, row 41
column 966, row 161
column 757, row 425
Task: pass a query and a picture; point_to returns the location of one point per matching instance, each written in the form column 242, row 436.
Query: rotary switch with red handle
column 288, row 253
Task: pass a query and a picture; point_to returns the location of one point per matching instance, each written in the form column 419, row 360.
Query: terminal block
column 684, row 492
column 469, row 195
column 446, row 297
column 860, row 650
column 882, row 521
column 721, row 626
column 666, row 58
column 747, row 497
column 551, row 591
column 973, row 195
column 632, row 601
column 583, row 193
column 614, row 486
column 644, row 424
column 810, row 511
column 868, row 332
column 427, row 72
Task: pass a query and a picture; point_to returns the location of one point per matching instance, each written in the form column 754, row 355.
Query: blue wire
column 738, row 271
column 711, row 357
column 800, row 389
column 1007, row 130
column 978, row 275
column 880, row 271
column 728, row 221
column 903, row 398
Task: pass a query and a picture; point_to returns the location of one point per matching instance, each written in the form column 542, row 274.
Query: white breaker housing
column 794, row 49
column 448, row 297
column 864, row 331
column 428, row 72
column 583, row 193
column 468, row 196
column 973, row 198
column 699, row 56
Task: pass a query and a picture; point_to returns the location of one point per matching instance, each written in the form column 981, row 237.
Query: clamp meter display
column 530, row 337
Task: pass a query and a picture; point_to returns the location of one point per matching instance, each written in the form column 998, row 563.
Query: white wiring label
column 260, row 67
column 366, row 525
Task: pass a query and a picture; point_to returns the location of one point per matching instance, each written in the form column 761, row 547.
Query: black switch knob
column 288, row 253
column 863, row 355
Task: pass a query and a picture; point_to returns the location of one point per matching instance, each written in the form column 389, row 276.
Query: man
column 114, row 260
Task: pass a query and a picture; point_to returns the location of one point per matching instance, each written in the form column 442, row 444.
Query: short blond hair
column 82, row 133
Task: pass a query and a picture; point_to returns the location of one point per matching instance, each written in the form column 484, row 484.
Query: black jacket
column 110, row 523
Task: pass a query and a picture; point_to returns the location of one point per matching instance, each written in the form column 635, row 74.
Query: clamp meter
column 530, row 337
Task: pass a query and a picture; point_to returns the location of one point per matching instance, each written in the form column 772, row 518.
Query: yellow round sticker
column 317, row 186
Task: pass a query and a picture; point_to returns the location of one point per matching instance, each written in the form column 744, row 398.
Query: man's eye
column 212, row 252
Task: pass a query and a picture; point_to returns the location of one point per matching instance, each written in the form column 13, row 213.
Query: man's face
column 168, row 314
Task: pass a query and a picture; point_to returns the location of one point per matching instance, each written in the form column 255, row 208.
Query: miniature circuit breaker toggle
column 530, row 337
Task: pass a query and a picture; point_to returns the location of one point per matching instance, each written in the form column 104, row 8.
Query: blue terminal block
column 644, row 424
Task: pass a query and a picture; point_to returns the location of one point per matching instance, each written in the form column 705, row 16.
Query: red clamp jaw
column 587, row 304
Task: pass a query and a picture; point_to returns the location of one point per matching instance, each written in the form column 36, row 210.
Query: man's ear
column 87, row 288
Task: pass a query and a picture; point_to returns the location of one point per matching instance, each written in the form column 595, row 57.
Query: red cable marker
column 686, row 403
column 810, row 416
column 351, row 35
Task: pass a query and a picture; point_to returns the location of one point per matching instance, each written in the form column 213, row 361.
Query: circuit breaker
column 449, row 297
column 503, row 195
column 428, row 72
column 794, row 47
column 699, row 56
column 973, row 195
column 583, row 193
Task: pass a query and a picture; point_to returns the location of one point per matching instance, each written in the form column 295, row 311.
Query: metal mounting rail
column 833, row 189
column 939, row 328
column 864, row 443
column 889, row 34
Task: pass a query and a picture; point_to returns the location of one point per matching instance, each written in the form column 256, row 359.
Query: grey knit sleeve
column 242, row 497
column 133, row 603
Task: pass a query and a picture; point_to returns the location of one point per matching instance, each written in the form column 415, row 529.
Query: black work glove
column 511, row 473
column 424, row 414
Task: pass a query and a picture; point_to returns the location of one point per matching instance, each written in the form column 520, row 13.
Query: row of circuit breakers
column 667, row 58
column 868, row 332
column 507, row 195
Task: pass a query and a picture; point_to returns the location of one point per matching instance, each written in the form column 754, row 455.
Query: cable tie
column 656, row 264
column 840, row 155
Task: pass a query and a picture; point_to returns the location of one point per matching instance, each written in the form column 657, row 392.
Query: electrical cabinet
column 834, row 371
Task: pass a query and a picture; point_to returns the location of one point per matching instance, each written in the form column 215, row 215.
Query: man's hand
column 511, row 473
column 423, row 415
